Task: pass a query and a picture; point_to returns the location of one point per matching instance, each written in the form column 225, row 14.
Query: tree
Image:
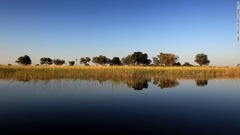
column 127, row 60
column 140, row 58
column 24, row 60
column 167, row 59
column 177, row 64
column 167, row 82
column 71, row 63
column 85, row 60
column 46, row 61
column 115, row 61
column 201, row 82
column 108, row 61
column 102, row 60
column 137, row 83
column 187, row 64
column 202, row 59
column 58, row 62
column 156, row 61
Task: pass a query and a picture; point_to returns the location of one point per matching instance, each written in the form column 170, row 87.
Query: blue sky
column 71, row 29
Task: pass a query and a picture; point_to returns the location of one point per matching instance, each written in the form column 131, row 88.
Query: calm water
column 127, row 107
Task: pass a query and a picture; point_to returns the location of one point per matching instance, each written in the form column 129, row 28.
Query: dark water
column 196, row 107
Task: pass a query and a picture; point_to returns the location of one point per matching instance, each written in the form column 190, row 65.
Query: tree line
column 137, row 58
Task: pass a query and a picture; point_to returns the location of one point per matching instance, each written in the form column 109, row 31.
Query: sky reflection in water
column 166, row 106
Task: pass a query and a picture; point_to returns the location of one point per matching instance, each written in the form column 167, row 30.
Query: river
column 169, row 106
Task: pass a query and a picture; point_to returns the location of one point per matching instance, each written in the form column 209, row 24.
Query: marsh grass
column 113, row 72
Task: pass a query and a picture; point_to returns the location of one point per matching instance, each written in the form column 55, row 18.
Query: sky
column 71, row 29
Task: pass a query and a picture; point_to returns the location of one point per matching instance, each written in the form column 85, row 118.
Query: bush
column 71, row 63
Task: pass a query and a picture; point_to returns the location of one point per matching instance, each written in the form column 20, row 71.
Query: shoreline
column 114, row 72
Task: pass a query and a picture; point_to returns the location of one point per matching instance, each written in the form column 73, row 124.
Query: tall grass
column 113, row 72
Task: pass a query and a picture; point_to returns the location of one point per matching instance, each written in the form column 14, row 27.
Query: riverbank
column 114, row 72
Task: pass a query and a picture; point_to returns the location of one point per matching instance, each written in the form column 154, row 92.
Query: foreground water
column 123, row 107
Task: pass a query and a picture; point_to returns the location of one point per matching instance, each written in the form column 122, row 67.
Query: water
column 167, row 106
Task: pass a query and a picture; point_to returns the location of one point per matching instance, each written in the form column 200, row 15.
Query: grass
column 113, row 72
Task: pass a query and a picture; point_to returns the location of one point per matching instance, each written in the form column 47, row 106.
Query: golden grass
column 113, row 72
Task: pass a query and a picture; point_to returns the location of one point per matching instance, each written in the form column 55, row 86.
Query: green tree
column 177, row 64
column 85, row 60
column 71, row 63
column 24, row 60
column 140, row 58
column 167, row 59
column 101, row 60
column 187, row 64
column 58, row 62
column 115, row 61
column 46, row 61
column 202, row 59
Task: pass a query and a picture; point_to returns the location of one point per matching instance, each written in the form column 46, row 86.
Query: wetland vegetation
column 114, row 72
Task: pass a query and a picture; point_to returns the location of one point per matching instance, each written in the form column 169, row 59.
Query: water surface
column 168, row 106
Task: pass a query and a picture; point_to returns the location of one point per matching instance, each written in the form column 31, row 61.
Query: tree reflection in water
column 138, row 84
column 201, row 82
column 165, row 82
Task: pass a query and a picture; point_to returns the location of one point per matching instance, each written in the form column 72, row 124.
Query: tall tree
column 202, row 59
column 187, row 64
column 58, row 62
column 167, row 59
column 115, row 61
column 101, row 60
column 46, row 61
column 140, row 58
column 24, row 60
column 85, row 60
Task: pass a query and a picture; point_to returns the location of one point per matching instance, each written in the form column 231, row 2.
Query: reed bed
column 113, row 72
